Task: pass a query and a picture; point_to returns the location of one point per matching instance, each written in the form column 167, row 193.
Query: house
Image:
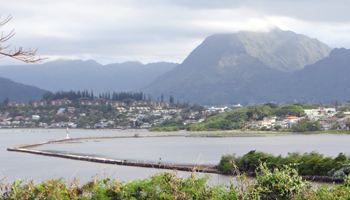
column 19, row 104
column 116, row 103
column 311, row 113
column 35, row 117
column 60, row 102
column 60, row 111
column 18, row 118
column 293, row 119
column 166, row 117
column 266, row 124
column 71, row 109
column 43, row 125
column 325, row 126
column 146, row 125
column 329, row 111
column 101, row 125
column 190, row 121
column 39, row 103
column 253, row 124
column 201, row 120
column 331, row 119
column 121, row 109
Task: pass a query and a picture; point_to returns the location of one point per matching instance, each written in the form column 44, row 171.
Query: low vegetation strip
column 311, row 165
column 284, row 183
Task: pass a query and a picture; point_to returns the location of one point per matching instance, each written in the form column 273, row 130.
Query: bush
column 227, row 163
column 304, row 126
column 160, row 186
column 307, row 164
column 282, row 183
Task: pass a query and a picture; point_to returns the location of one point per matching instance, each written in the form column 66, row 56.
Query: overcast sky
column 114, row 31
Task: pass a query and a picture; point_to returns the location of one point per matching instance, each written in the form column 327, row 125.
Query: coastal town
column 102, row 114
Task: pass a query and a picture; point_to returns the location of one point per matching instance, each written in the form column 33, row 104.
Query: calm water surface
column 177, row 150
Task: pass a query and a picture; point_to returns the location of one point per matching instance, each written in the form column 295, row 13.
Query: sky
column 116, row 31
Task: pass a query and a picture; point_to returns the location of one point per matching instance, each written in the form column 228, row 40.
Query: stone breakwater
column 191, row 168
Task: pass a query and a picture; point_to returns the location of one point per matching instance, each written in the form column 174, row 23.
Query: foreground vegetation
column 284, row 183
column 306, row 164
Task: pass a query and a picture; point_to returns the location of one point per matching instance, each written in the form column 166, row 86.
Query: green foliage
column 165, row 129
column 227, row 163
column 159, row 186
column 283, row 183
column 169, row 125
column 258, row 112
column 344, row 108
column 347, row 123
column 307, row 164
column 86, row 95
column 340, row 114
column 290, row 110
column 278, row 183
column 272, row 105
column 304, row 125
column 277, row 127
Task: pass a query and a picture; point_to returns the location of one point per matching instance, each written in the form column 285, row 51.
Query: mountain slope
column 325, row 80
column 283, row 50
column 19, row 92
column 245, row 66
column 79, row 75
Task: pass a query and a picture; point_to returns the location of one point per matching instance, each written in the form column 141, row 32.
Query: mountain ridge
column 223, row 69
column 79, row 75
column 18, row 92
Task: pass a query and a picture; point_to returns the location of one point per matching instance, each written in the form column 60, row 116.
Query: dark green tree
column 277, row 127
column 5, row 102
column 171, row 99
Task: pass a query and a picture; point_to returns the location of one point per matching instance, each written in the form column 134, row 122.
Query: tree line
column 86, row 95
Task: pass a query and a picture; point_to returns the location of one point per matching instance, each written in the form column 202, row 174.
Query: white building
column 35, row 117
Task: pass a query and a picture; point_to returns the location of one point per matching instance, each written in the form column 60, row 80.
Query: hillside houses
column 39, row 103
column 285, row 123
column 60, row 102
column 325, row 116
column 320, row 112
column 19, row 104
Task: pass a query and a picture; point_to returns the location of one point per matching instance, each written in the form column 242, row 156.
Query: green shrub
column 311, row 163
column 283, row 183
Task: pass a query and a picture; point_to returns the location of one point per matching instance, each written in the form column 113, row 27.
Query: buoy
column 67, row 133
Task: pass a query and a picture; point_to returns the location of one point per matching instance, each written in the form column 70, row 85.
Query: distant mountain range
column 79, row 75
column 253, row 67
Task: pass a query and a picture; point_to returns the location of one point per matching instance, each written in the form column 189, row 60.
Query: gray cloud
column 161, row 30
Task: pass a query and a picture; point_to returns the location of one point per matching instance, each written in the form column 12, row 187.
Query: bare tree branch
column 19, row 54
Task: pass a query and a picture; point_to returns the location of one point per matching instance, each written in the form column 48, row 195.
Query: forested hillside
column 18, row 92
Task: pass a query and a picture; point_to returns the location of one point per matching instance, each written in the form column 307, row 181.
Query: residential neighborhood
column 94, row 114
column 325, row 116
column 97, row 114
